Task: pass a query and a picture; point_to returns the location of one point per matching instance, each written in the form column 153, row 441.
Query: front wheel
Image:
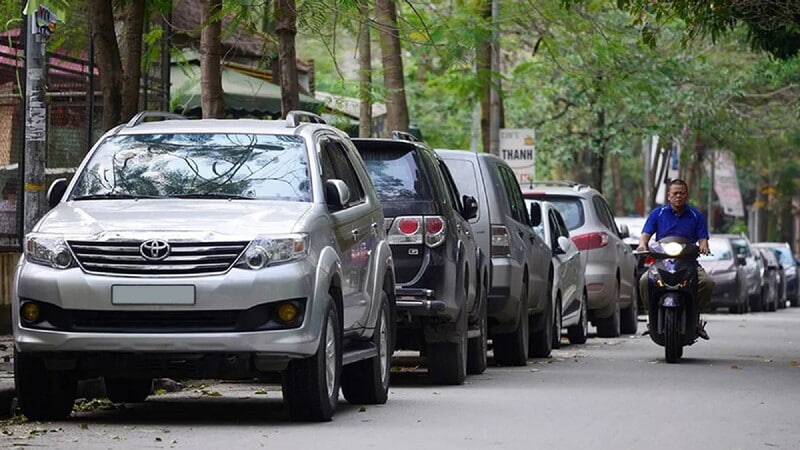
column 511, row 349
column 578, row 333
column 43, row 394
column 477, row 346
column 367, row 382
column 673, row 348
column 311, row 385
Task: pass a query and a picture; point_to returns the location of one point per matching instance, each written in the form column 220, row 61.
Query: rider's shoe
column 701, row 330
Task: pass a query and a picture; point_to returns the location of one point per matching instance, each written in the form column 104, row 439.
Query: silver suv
column 209, row 249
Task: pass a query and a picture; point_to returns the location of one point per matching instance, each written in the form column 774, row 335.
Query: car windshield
column 720, row 250
column 396, row 175
column 741, row 247
column 785, row 256
column 223, row 166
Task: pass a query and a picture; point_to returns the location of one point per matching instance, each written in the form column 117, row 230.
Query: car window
column 785, row 256
column 721, row 250
column 741, row 248
column 450, row 186
column 339, row 161
column 465, row 176
column 198, row 164
column 571, row 209
column 518, row 210
column 603, row 214
column 396, row 175
column 562, row 228
column 553, row 229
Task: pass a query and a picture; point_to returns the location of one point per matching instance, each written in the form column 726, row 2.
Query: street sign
column 726, row 184
column 518, row 149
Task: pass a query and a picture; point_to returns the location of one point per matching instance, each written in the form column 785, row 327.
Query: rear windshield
column 720, row 250
column 396, row 175
column 571, row 210
column 464, row 175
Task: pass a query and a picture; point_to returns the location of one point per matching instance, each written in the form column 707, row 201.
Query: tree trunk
column 132, row 61
column 393, row 80
column 212, row 101
column 599, row 153
column 108, row 60
column 616, row 181
column 364, row 81
column 286, row 28
column 483, row 67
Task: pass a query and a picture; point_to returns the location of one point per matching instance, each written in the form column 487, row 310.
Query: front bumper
column 237, row 289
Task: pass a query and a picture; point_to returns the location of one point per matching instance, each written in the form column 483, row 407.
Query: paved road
column 737, row 391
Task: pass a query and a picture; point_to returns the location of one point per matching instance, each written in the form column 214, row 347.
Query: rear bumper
column 504, row 302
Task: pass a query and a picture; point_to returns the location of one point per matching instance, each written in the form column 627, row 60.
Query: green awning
column 244, row 95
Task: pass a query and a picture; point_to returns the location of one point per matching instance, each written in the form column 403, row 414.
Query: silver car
column 610, row 264
column 790, row 269
column 208, row 249
column 754, row 268
column 569, row 279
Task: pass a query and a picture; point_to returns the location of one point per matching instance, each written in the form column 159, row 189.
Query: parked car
column 610, row 264
column 569, row 281
column 753, row 267
column 441, row 273
column 773, row 281
column 522, row 315
column 790, row 268
column 635, row 226
column 726, row 267
column 210, row 249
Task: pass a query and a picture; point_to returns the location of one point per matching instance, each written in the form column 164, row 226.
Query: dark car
column 726, row 267
column 441, row 275
column 524, row 319
column 773, row 280
column 790, row 269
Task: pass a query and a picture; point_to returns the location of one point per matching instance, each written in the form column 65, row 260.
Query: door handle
column 355, row 234
column 374, row 228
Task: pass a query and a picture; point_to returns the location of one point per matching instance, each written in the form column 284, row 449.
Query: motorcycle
column 674, row 312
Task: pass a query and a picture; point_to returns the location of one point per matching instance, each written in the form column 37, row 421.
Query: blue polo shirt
column 664, row 222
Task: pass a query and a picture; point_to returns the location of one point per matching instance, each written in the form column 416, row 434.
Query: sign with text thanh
column 518, row 149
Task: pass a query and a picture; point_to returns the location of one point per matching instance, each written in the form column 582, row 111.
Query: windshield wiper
column 113, row 196
column 223, row 195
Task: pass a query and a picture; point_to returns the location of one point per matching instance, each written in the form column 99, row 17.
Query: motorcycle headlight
column 673, row 248
column 266, row 251
column 51, row 251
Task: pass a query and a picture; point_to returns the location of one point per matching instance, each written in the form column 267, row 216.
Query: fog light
column 287, row 312
column 659, row 283
column 30, row 312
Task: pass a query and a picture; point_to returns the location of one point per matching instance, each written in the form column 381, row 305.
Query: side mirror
column 564, row 244
column 624, row 232
column 337, row 194
column 56, row 190
column 470, row 207
column 741, row 260
column 536, row 214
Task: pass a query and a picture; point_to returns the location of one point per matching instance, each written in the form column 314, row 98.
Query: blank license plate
column 152, row 295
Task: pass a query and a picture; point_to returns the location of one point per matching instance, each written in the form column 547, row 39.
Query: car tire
column 43, row 394
column 557, row 319
column 579, row 332
column 477, row 347
column 511, row 349
column 447, row 361
column 311, row 385
column 541, row 342
column 629, row 317
column 609, row 327
column 128, row 390
column 366, row 382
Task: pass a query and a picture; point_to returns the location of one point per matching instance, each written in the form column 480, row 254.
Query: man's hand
column 703, row 247
column 644, row 239
column 641, row 248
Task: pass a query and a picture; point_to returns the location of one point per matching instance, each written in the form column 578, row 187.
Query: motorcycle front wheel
column 673, row 347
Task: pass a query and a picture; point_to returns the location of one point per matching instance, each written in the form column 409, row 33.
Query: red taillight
column 408, row 225
column 649, row 261
column 434, row 225
column 590, row 240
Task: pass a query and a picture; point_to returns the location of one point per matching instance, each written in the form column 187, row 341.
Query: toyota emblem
column 154, row 249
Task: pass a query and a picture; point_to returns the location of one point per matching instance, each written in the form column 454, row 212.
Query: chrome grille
column 185, row 258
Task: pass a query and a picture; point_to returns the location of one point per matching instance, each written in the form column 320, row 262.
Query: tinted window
column 342, row 169
column 519, row 213
column 396, row 175
column 164, row 165
column 452, row 191
column 601, row 209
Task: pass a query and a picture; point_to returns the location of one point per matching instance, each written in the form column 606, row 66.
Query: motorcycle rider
column 678, row 218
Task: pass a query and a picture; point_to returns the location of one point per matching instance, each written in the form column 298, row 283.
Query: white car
column 569, row 280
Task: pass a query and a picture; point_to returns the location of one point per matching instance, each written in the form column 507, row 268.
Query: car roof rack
column 144, row 115
column 565, row 183
column 295, row 118
column 403, row 136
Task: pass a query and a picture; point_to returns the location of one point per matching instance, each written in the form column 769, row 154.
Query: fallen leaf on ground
column 261, row 392
column 767, row 360
column 534, row 370
column 794, row 363
column 362, row 409
column 735, row 367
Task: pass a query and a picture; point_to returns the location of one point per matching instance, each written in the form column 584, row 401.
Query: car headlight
column 267, row 251
column 47, row 250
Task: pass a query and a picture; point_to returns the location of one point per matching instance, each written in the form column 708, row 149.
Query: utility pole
column 41, row 23
column 494, row 93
